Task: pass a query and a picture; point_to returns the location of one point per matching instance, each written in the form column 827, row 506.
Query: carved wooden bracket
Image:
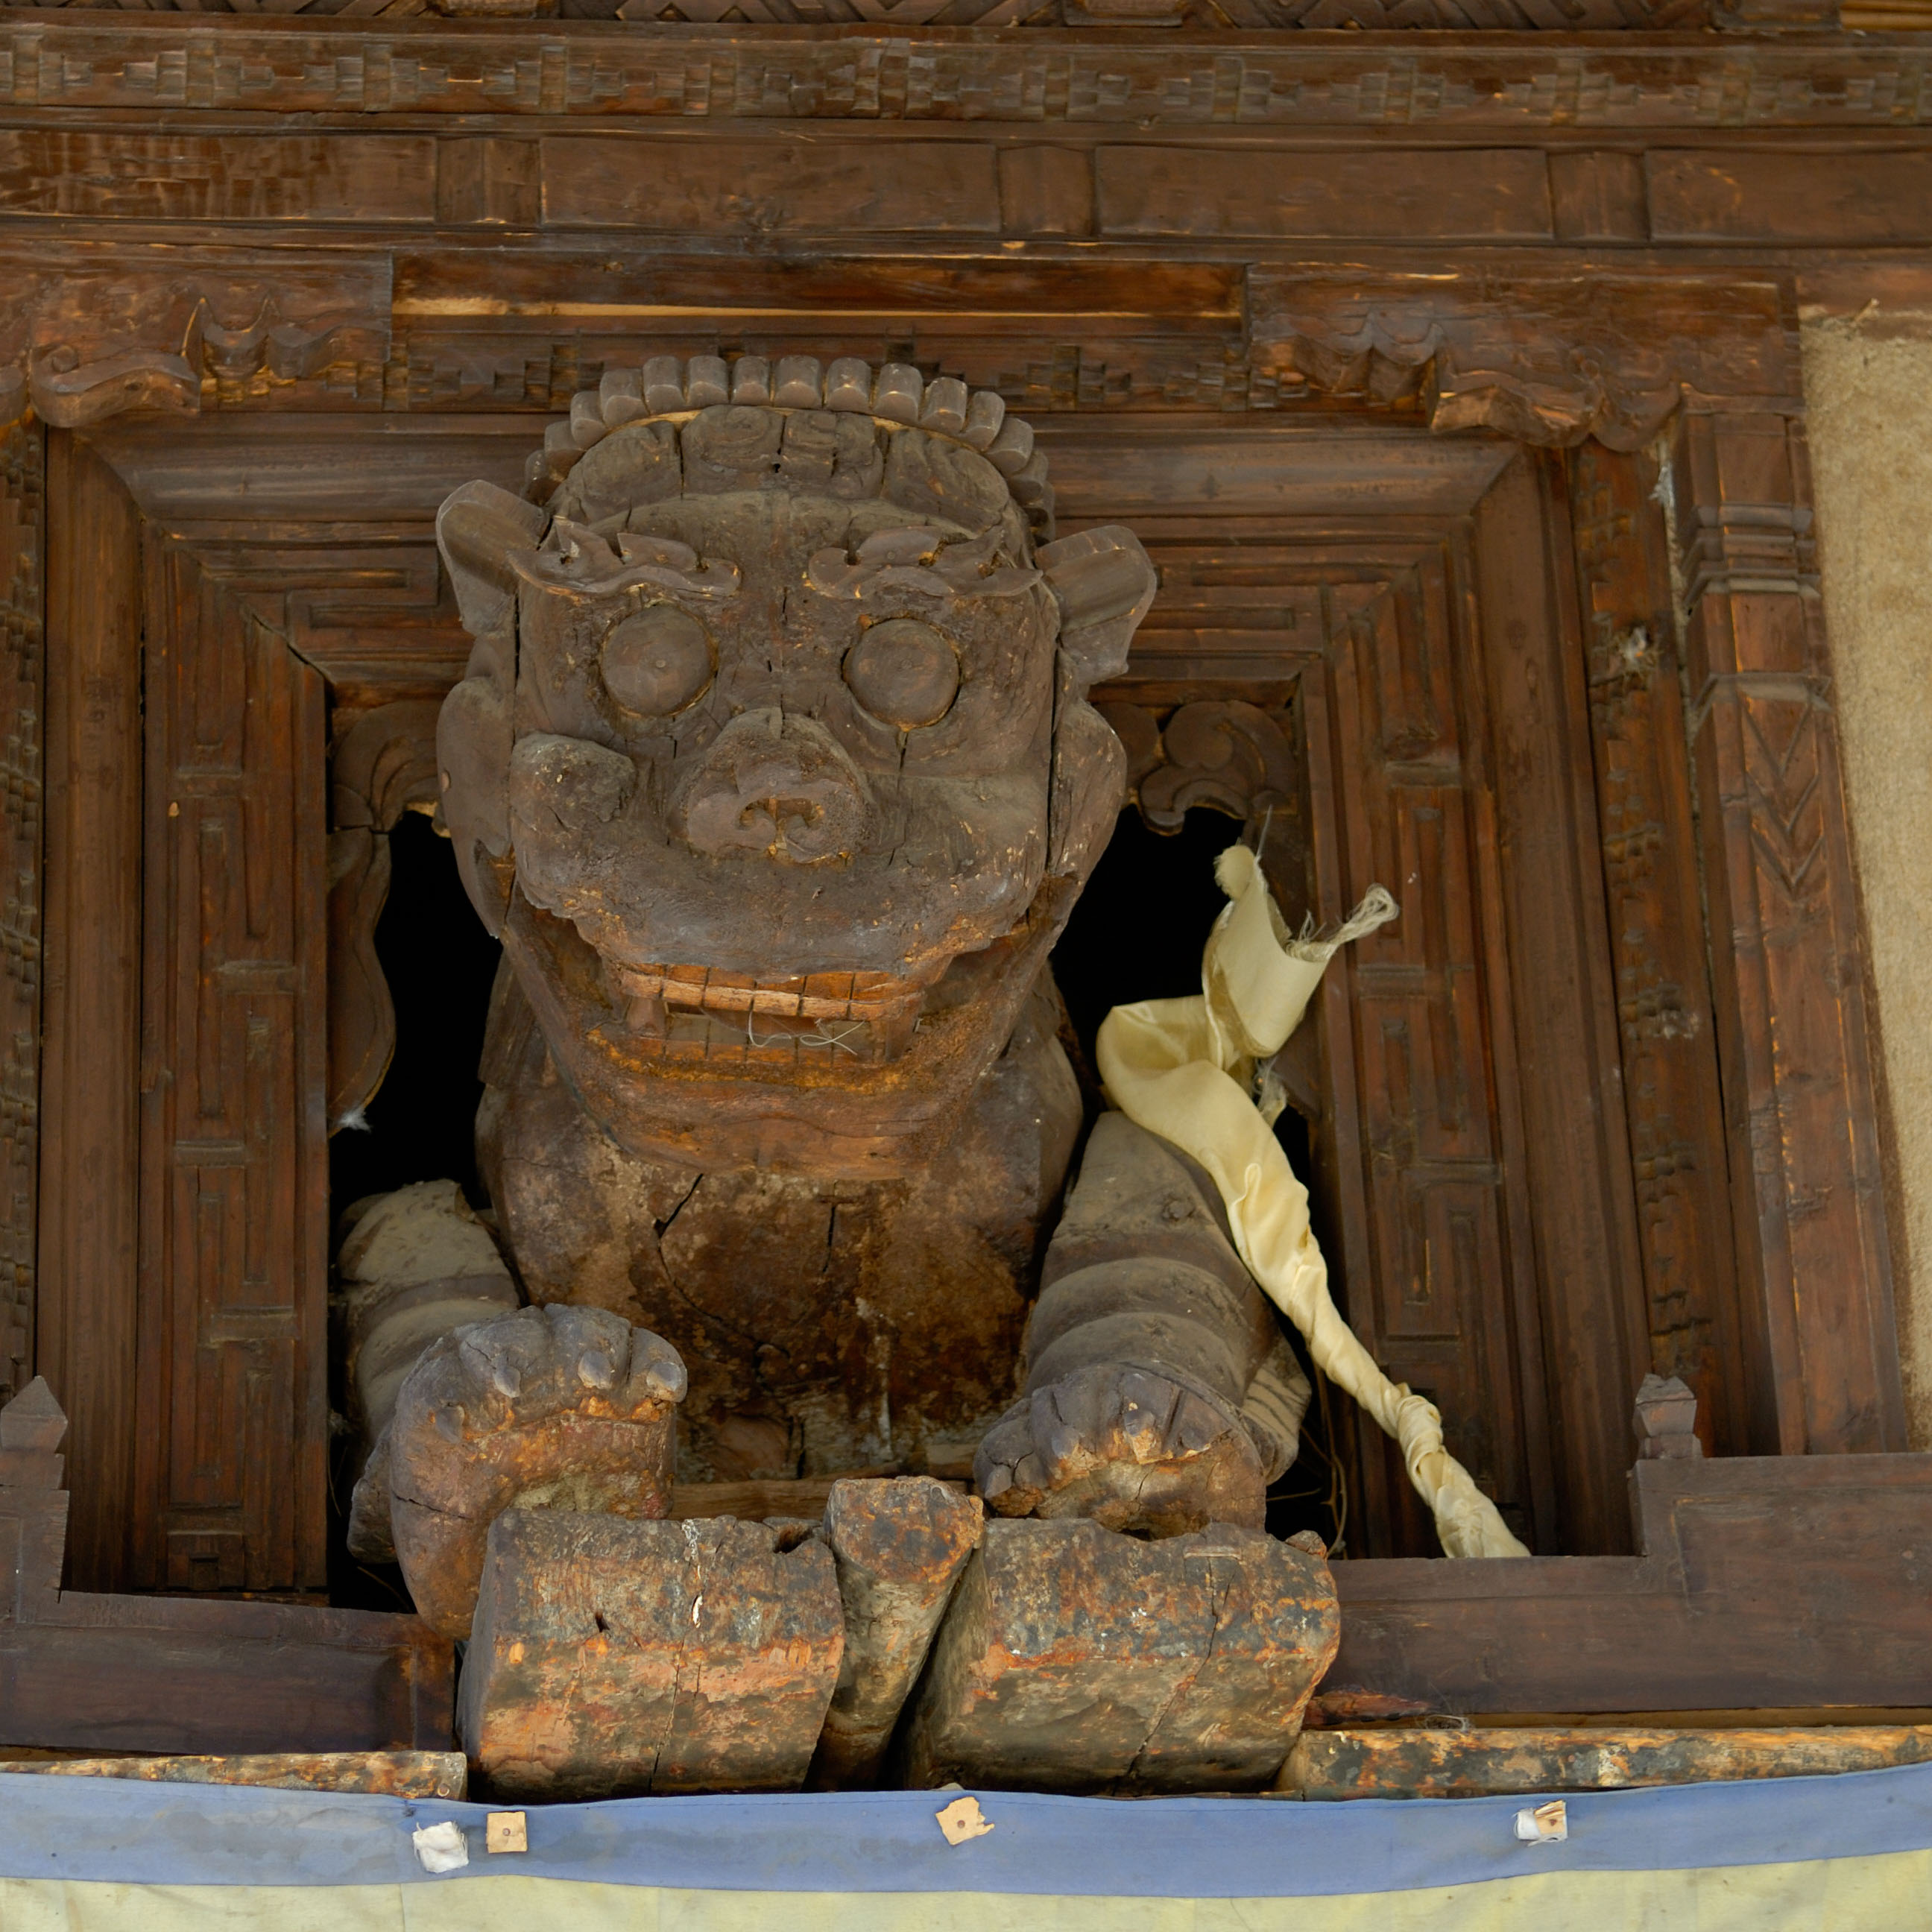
column 383, row 765
column 1218, row 752
column 1549, row 362
column 85, row 339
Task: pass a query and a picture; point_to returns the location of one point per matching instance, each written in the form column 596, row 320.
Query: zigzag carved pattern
column 1782, row 781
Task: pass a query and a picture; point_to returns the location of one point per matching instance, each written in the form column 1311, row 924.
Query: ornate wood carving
column 382, row 765
column 1672, row 1097
column 1226, row 754
column 86, row 338
column 1789, row 982
column 1138, row 80
column 22, row 709
column 1544, row 362
column 234, row 1220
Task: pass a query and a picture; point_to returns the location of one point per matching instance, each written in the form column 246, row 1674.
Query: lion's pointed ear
column 1105, row 583
column 478, row 528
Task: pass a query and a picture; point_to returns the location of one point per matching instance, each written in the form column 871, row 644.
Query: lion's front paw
column 552, row 1407
column 1153, row 1453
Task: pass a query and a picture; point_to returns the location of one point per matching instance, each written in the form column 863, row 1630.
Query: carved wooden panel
column 1672, row 1099
column 1352, row 688
column 1443, row 1280
column 1821, row 1352
column 234, row 1206
column 23, row 710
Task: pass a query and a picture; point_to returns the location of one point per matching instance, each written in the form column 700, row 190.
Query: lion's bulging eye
column 657, row 662
column 904, row 672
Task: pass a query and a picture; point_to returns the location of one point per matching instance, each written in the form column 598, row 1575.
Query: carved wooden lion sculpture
column 774, row 771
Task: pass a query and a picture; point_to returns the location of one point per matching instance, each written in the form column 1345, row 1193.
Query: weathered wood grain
column 234, row 1206
column 1075, row 1658
column 91, row 1056
column 22, row 804
column 1495, row 194
column 99, row 1673
column 1403, row 1763
column 1673, row 1102
column 613, row 1658
column 1765, row 1583
column 401, row 1774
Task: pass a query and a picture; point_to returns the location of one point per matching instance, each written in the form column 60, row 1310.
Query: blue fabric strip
column 143, row 1834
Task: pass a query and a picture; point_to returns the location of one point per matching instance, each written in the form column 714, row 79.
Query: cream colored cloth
column 1183, row 1069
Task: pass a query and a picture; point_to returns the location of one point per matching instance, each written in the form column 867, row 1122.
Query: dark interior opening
column 439, row 963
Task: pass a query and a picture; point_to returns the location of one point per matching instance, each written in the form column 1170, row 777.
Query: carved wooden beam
column 887, row 69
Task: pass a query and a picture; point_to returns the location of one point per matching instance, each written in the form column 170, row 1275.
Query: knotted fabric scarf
column 1185, row 1069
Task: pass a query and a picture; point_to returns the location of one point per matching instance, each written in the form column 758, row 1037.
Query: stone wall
column 1868, row 383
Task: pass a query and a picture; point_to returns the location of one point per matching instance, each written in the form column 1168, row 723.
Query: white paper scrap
column 441, row 1848
column 963, row 1819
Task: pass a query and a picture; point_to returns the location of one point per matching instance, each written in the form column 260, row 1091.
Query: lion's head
column 772, row 766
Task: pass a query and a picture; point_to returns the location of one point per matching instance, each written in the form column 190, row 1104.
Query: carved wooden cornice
column 1246, row 77
column 1550, row 361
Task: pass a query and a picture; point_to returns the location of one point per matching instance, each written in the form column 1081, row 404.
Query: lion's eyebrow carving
column 920, row 561
column 576, row 557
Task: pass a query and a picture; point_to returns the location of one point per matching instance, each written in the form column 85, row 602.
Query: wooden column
column 92, row 1059
column 22, row 709
column 1816, row 1302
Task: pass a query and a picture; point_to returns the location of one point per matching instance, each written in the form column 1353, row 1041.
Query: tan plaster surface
column 1868, row 388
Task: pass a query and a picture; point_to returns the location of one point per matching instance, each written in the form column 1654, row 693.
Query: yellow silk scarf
column 1183, row 1068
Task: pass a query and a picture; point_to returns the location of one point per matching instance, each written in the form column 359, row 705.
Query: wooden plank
column 234, row 1210
column 1588, row 1274
column 1766, row 1583
column 1814, row 1256
column 1779, row 196
column 22, row 714
column 1487, row 194
column 279, row 177
column 1672, row 1101
column 399, row 1774
column 1396, row 1763
column 91, row 1064
column 757, row 187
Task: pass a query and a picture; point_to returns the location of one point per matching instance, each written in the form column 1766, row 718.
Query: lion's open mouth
column 706, row 1011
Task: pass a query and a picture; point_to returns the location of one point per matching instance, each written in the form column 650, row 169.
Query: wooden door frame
column 1696, row 377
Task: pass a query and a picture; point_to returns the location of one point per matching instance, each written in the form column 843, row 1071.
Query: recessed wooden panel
column 218, row 177
column 234, row 1206
column 1494, row 194
column 770, row 187
column 1786, row 195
